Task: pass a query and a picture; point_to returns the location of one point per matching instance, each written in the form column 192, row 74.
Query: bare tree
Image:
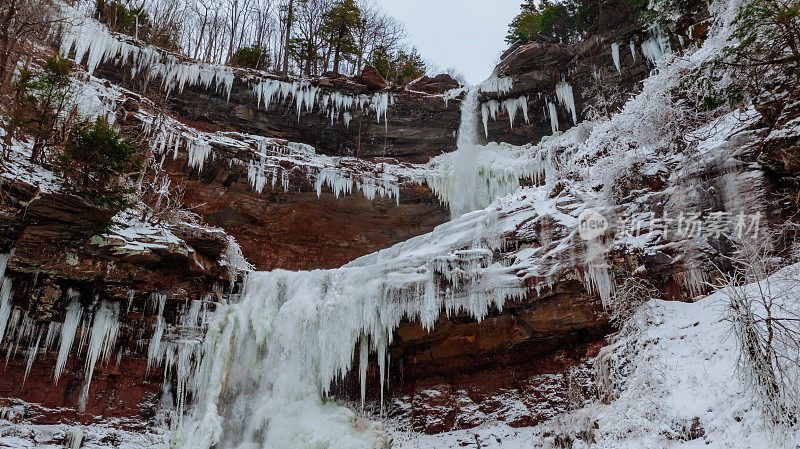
column 765, row 319
column 288, row 37
column 21, row 20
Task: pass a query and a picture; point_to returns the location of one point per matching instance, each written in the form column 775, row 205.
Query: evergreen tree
column 338, row 25
column 400, row 67
column 254, row 57
column 94, row 160
column 40, row 103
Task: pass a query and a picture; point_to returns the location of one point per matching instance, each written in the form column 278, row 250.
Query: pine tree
column 338, row 25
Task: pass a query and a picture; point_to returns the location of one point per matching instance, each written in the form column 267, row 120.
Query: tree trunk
column 289, row 19
column 336, row 54
column 5, row 41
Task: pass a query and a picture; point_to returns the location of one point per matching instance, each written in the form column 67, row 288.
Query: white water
column 463, row 197
column 269, row 359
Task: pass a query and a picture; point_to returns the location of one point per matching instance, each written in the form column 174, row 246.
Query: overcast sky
column 465, row 34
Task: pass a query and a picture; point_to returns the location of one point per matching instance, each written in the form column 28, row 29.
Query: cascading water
column 268, row 360
column 464, row 195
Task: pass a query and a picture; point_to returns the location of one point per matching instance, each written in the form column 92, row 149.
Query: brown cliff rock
column 372, row 78
column 439, row 84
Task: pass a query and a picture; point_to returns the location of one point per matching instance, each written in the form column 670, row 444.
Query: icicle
column 382, row 366
column 363, row 355
column 154, row 351
column 511, row 109
column 553, row 116
column 485, row 119
column 52, row 329
column 615, row 56
column 131, row 295
column 5, row 305
column 598, row 280
column 633, row 51
column 33, row 350
column 566, row 98
column 68, row 329
column 105, row 328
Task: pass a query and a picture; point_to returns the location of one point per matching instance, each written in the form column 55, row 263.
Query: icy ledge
column 93, row 42
column 273, row 356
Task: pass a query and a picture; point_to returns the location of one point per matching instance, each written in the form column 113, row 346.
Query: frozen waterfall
column 268, row 360
column 464, row 194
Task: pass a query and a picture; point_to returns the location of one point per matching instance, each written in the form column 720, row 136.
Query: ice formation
column 567, row 99
column 273, row 162
column 654, row 47
column 308, row 97
column 510, row 105
column 633, row 51
column 176, row 348
column 615, row 56
column 5, row 296
column 68, row 330
column 269, row 360
column 498, row 85
column 551, row 109
column 91, row 41
column 105, row 328
column 33, row 350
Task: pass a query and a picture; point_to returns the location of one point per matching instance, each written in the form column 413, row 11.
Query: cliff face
column 518, row 365
column 418, row 125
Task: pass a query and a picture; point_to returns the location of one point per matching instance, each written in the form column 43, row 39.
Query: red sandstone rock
column 439, row 84
column 372, row 78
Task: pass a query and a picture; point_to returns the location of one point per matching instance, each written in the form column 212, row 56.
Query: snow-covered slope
column 675, row 383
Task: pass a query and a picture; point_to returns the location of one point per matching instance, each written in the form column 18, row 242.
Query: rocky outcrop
column 371, row 78
column 60, row 238
column 439, row 84
column 416, row 127
column 64, row 249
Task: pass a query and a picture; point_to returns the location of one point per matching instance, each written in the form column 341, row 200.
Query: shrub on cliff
column 398, row 67
column 95, row 161
column 42, row 105
column 254, row 57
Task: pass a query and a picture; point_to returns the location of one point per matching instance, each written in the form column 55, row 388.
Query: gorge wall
column 460, row 374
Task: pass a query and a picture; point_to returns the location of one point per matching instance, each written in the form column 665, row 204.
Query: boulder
column 371, row 78
column 439, row 84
